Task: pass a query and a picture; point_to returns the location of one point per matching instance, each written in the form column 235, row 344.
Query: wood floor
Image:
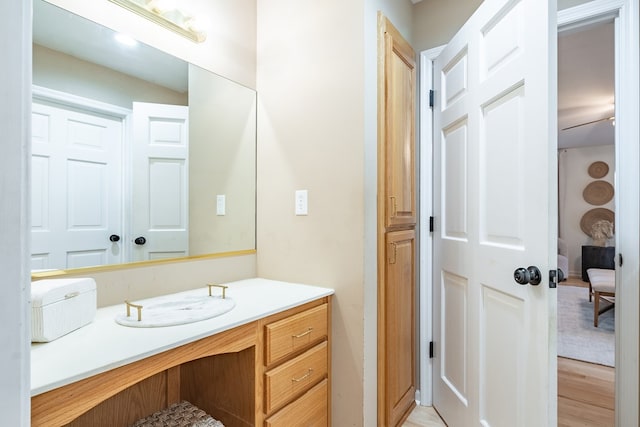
column 585, row 397
column 585, row 390
column 585, row 394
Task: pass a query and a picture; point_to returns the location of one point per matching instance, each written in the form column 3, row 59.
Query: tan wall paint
column 133, row 283
column 436, row 21
column 317, row 131
column 310, row 136
column 65, row 73
column 225, row 165
column 566, row 4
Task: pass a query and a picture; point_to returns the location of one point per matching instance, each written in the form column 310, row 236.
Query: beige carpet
column 577, row 337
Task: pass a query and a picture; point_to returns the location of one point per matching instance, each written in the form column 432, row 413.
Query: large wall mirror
column 136, row 155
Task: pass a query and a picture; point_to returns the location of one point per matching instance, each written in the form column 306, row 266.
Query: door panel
column 494, row 130
column 160, row 181
column 400, row 297
column 399, row 93
column 76, row 187
column 396, row 226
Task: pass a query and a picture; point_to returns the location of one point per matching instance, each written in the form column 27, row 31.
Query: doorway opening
column 586, row 212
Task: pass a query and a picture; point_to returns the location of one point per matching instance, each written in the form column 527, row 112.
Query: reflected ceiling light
column 166, row 14
column 125, row 39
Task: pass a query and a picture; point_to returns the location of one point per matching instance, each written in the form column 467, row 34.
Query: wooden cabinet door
column 398, row 129
column 400, row 347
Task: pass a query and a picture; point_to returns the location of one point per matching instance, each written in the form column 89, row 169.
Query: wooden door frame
column 627, row 162
column 384, row 227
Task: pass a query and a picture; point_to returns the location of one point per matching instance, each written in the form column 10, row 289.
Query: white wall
column 15, row 86
column 573, row 177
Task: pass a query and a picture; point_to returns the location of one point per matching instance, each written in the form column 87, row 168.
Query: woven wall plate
column 598, row 193
column 598, row 169
column 590, row 217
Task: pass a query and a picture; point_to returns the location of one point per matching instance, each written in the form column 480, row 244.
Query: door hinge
column 620, row 260
column 431, row 94
column 431, row 224
column 431, row 350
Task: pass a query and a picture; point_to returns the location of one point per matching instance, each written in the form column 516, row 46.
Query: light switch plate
column 301, row 202
column 221, row 204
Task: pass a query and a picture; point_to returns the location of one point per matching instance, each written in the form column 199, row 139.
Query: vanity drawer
column 287, row 381
column 294, row 333
column 310, row 410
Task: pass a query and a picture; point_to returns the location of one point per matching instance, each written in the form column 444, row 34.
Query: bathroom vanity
column 266, row 362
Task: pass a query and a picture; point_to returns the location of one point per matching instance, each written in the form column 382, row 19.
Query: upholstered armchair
column 563, row 258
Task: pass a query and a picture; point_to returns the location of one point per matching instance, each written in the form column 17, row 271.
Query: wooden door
column 494, row 121
column 160, row 196
column 399, row 92
column 396, row 227
column 400, row 322
column 76, row 187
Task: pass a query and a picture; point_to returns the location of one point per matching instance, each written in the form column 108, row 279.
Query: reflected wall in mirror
column 137, row 155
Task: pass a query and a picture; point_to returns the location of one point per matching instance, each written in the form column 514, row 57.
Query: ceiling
column 94, row 43
column 585, row 68
column 586, row 85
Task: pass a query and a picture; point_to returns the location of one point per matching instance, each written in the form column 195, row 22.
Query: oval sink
column 171, row 310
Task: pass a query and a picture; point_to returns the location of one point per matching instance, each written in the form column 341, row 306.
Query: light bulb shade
column 163, row 13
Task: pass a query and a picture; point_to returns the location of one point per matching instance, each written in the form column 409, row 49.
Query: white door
column 160, row 193
column 494, row 199
column 76, row 181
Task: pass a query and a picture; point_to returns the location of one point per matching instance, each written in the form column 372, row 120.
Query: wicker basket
column 182, row 414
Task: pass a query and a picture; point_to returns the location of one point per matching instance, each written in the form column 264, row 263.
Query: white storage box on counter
column 59, row 306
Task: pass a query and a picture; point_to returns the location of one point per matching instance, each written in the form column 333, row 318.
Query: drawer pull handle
column 304, row 377
column 307, row 332
column 72, row 294
column 215, row 285
column 137, row 307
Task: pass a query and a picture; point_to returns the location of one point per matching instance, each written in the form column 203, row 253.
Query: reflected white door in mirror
column 160, row 179
column 83, row 211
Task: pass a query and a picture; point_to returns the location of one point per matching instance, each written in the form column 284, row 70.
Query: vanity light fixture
column 163, row 13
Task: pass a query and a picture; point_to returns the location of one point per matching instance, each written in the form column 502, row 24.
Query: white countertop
column 104, row 345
